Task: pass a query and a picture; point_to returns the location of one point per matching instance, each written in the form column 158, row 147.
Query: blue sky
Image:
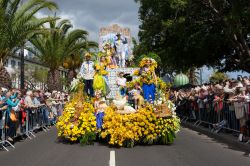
column 206, row 73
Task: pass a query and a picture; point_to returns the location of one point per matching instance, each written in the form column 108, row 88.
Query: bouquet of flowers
column 147, row 78
column 142, row 127
column 75, row 84
column 77, row 124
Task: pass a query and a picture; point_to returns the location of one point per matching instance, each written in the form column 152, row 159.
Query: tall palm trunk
column 71, row 75
column 54, row 82
column 5, row 79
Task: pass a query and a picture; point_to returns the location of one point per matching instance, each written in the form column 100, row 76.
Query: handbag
column 13, row 116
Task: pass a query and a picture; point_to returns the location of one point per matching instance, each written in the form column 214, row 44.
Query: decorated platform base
column 147, row 125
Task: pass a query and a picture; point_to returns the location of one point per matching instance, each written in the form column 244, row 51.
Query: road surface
column 189, row 149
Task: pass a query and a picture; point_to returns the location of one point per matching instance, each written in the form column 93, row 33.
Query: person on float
column 100, row 106
column 121, row 83
column 113, row 60
column 87, row 71
column 120, row 50
column 99, row 83
column 108, row 54
column 149, row 79
column 103, row 62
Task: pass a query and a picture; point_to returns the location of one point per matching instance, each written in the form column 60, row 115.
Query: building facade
column 109, row 35
column 32, row 66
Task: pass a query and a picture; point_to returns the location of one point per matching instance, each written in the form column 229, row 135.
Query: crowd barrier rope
column 217, row 116
column 28, row 123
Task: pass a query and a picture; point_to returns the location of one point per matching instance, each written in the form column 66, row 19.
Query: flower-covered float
column 142, row 115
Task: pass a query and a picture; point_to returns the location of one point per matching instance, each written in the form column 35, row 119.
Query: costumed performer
column 119, row 45
column 148, row 78
column 100, row 106
column 87, row 71
column 121, row 82
column 108, row 53
column 99, row 83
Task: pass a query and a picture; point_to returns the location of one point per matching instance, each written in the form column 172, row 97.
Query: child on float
column 100, row 106
column 121, row 83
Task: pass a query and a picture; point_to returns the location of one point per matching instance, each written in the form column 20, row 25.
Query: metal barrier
column 36, row 118
column 4, row 142
column 216, row 116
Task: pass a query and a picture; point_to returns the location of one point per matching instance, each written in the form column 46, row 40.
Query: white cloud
column 91, row 15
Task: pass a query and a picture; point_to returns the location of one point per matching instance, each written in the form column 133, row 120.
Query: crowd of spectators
column 16, row 107
column 224, row 104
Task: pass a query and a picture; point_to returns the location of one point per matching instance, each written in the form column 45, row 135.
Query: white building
column 13, row 65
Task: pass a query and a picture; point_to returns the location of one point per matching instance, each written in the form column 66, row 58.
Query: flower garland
column 144, row 61
column 78, row 121
column 142, row 127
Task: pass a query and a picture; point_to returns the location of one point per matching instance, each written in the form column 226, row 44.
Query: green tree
column 193, row 75
column 17, row 24
column 54, row 46
column 193, row 33
column 218, row 77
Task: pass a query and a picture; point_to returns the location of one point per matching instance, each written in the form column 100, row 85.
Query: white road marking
column 112, row 158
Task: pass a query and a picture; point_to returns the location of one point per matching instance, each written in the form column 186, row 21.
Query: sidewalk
column 227, row 138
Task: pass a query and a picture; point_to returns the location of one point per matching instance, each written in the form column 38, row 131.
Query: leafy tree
column 193, row 33
column 17, row 24
column 193, row 75
column 218, row 77
column 56, row 45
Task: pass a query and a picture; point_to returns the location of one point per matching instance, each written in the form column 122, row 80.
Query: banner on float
column 112, row 77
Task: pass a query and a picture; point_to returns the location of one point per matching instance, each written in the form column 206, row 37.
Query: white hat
column 197, row 89
column 239, row 85
column 28, row 93
column 47, row 94
column 4, row 89
column 218, row 86
column 204, row 87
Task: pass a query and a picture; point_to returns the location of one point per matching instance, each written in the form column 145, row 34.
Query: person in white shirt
column 28, row 100
column 119, row 44
column 121, row 82
column 87, row 71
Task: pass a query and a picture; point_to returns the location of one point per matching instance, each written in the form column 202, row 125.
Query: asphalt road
column 190, row 149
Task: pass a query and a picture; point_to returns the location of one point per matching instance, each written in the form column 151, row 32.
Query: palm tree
column 193, row 76
column 74, row 61
column 55, row 46
column 17, row 24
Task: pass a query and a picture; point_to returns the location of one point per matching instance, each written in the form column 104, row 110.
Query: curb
column 234, row 143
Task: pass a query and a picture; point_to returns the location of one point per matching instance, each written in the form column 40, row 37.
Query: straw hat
column 87, row 54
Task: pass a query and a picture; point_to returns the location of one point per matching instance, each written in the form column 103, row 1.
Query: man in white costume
column 87, row 71
column 120, row 50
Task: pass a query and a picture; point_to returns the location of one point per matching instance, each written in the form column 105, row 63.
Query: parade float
column 134, row 114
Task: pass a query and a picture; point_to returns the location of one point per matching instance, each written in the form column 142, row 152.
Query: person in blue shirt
column 11, row 101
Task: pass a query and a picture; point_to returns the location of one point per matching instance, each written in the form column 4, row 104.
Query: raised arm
column 11, row 103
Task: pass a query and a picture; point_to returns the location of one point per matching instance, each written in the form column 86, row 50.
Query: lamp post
column 22, row 64
column 22, row 68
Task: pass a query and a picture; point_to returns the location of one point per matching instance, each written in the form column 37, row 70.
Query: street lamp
column 22, row 68
column 22, row 64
